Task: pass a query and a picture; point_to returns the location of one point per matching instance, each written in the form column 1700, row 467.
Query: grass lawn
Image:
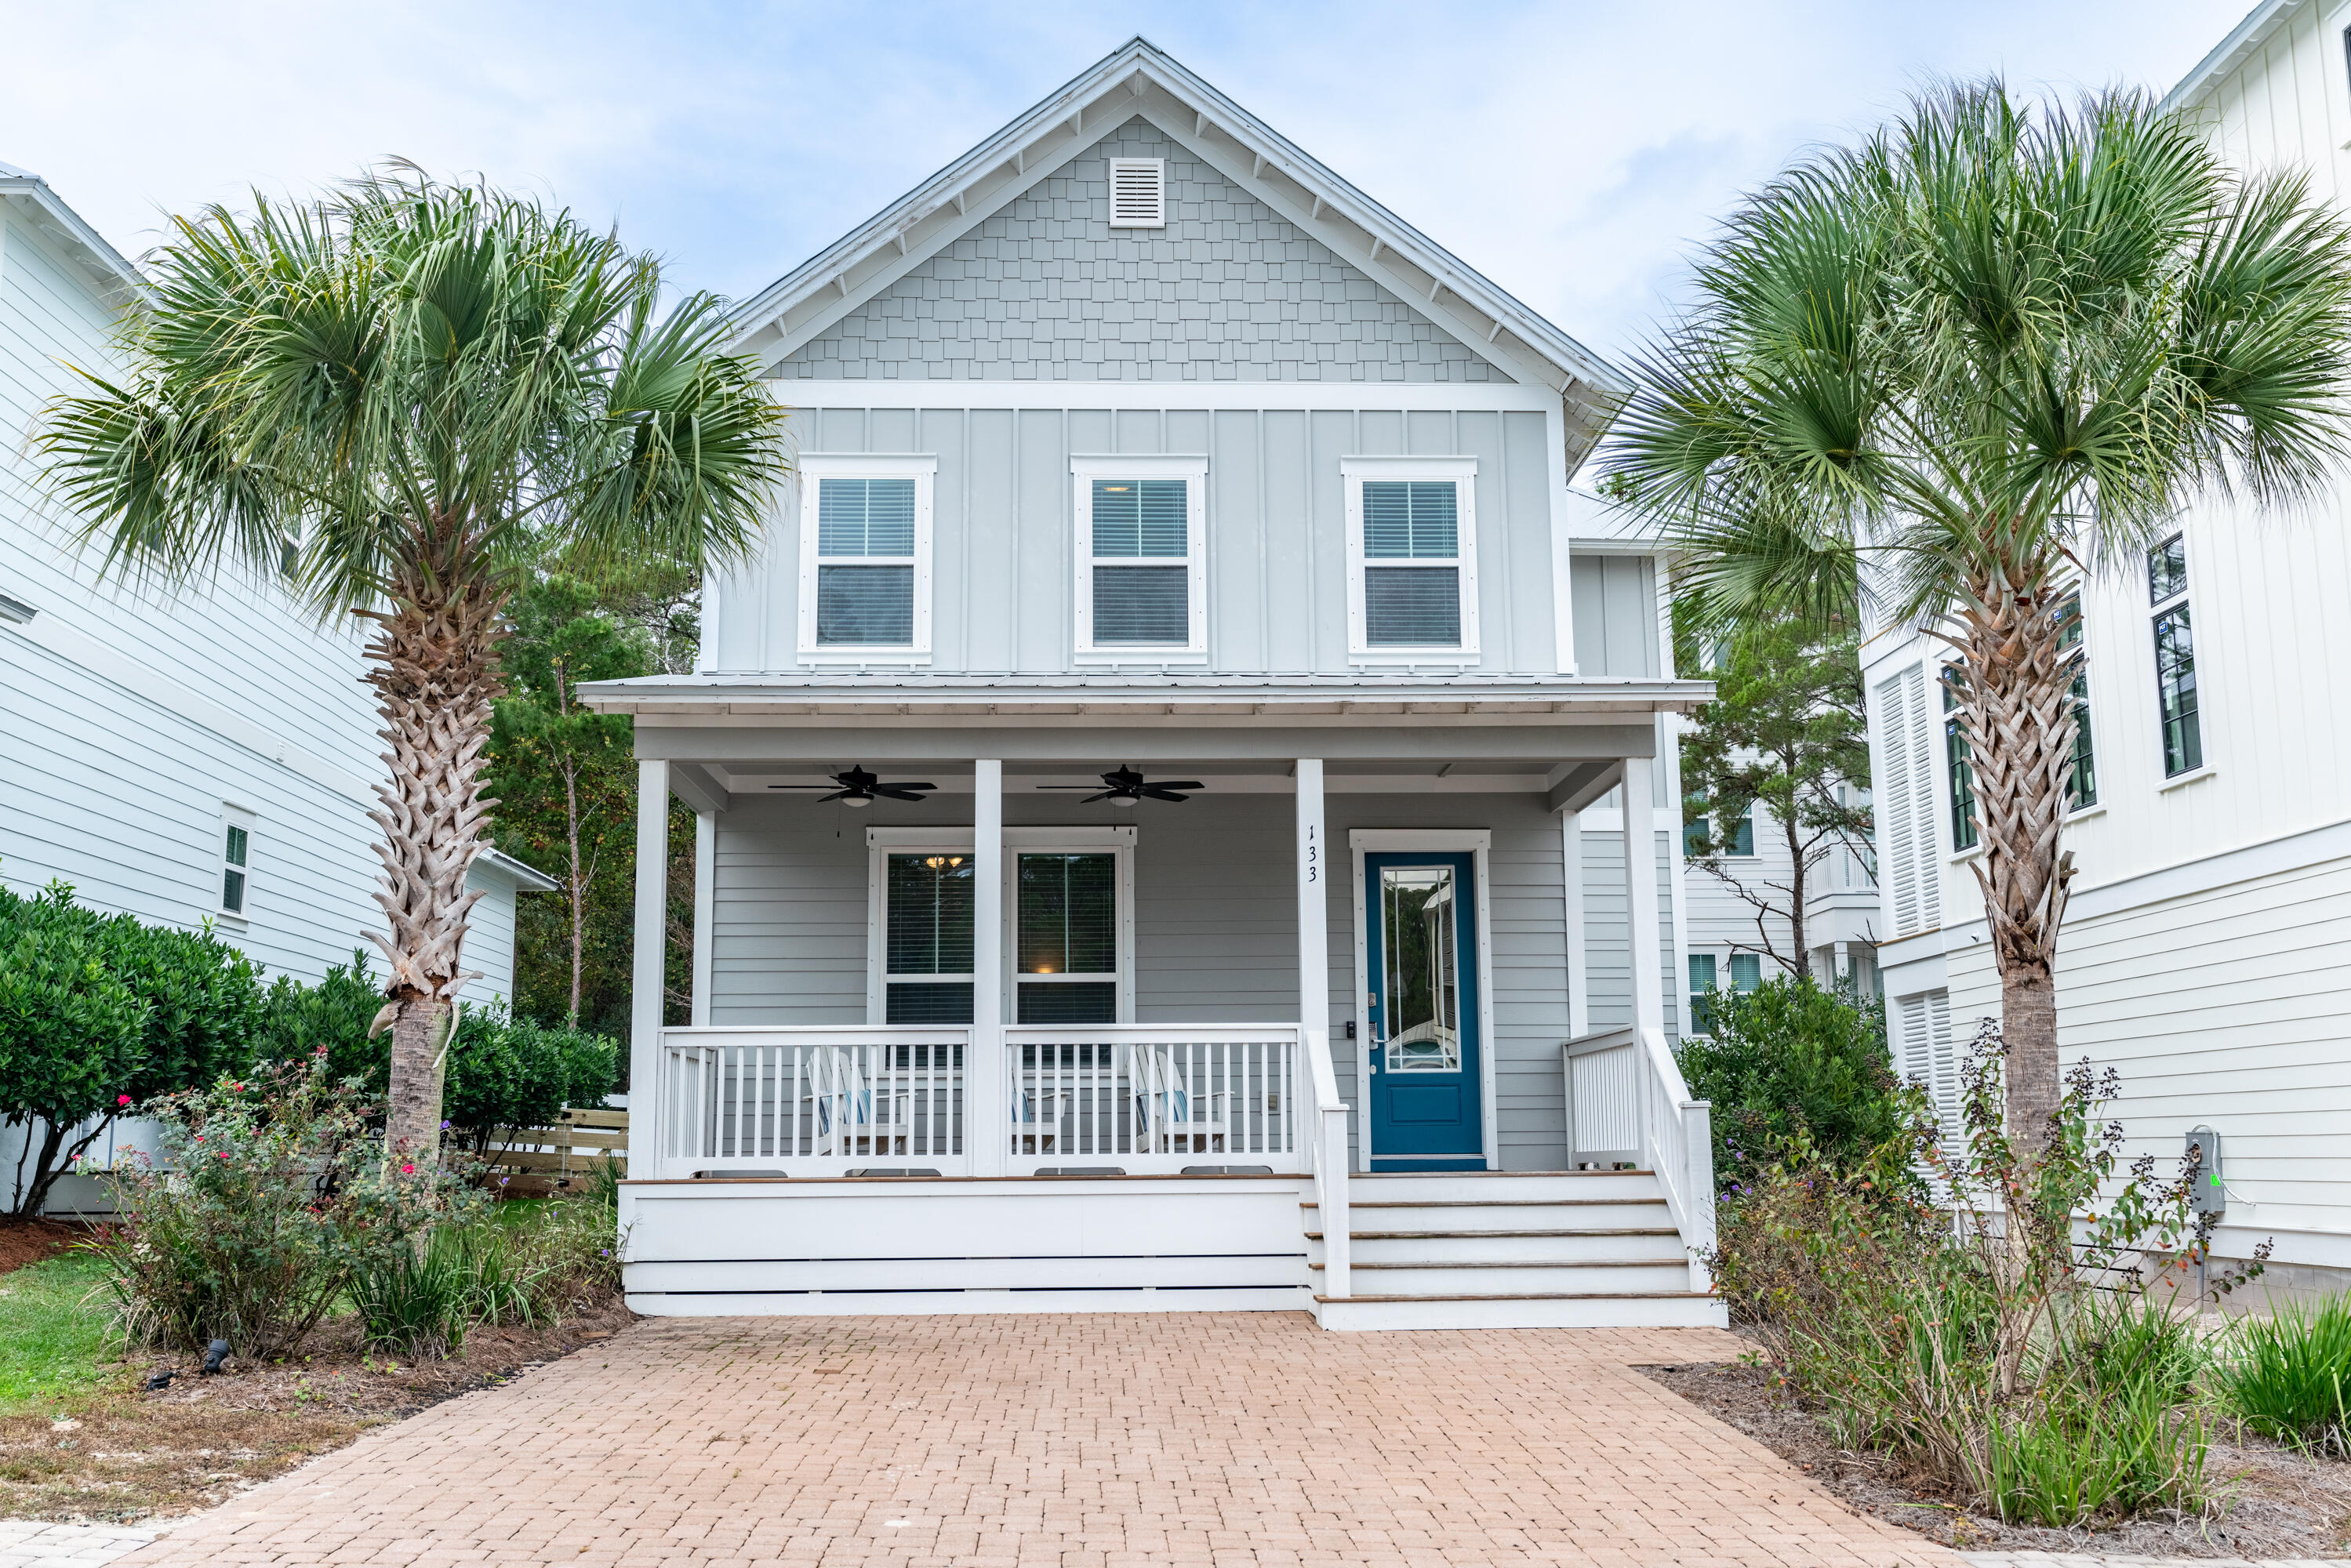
column 53, row 1346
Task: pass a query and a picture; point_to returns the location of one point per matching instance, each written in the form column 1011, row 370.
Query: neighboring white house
column 1138, row 439
column 205, row 754
column 2206, row 952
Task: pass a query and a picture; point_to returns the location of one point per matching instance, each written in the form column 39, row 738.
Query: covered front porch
column 1005, row 1037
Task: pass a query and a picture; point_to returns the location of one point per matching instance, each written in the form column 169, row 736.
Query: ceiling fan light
column 1123, row 800
column 858, row 800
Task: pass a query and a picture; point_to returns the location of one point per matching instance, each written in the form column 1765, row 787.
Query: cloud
column 1574, row 152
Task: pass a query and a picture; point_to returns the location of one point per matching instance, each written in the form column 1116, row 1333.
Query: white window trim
column 1463, row 472
column 232, row 815
column 1193, row 472
column 883, row 843
column 813, row 468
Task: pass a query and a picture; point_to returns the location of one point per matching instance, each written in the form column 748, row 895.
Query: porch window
column 1412, row 570
column 928, row 977
column 1142, row 558
column 865, row 558
column 1067, row 953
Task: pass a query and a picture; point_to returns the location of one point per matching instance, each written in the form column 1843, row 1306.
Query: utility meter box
column 2211, row 1194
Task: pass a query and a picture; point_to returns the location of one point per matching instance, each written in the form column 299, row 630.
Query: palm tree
column 1955, row 371
column 397, row 396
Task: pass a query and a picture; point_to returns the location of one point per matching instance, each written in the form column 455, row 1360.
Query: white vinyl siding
column 1141, row 554
column 865, row 558
column 1906, row 796
column 1412, row 574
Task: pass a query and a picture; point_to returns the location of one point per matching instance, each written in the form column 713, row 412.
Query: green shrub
column 271, row 1195
column 507, row 1071
column 297, row 1020
column 1973, row 1324
column 421, row 1299
column 1792, row 1057
column 2288, row 1375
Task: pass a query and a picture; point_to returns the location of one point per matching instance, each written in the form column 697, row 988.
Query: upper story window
column 2177, row 708
column 1738, row 836
column 1141, row 554
column 865, row 558
column 237, row 861
column 2082, row 784
column 1955, row 757
column 1412, row 564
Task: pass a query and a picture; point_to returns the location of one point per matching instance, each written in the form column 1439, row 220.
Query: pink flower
column 408, row 1170
column 223, row 1154
column 123, row 1099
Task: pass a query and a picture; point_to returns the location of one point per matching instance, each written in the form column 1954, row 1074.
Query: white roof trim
column 68, row 224
column 1139, row 78
column 524, row 878
column 2243, row 39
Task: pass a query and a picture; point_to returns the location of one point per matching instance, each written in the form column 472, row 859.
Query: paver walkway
column 1079, row 1441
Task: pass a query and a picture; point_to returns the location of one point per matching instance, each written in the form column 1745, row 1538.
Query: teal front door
column 1421, row 953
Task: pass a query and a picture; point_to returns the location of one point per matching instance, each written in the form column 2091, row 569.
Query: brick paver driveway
column 1075, row 1441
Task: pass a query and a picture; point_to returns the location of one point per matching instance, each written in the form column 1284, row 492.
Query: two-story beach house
column 2206, row 952
column 1165, row 789
column 201, row 755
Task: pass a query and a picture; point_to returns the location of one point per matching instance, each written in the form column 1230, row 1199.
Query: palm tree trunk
column 435, row 653
column 2019, row 713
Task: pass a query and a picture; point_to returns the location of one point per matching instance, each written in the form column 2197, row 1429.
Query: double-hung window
column 1067, row 924
column 1412, row 562
column 1963, row 770
column 2081, row 786
column 1141, row 554
column 927, row 936
column 865, row 558
column 1701, row 993
column 2177, row 711
column 235, row 862
column 1738, row 836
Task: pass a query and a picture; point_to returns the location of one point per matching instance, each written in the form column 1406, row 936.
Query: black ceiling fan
column 1124, row 787
column 857, row 787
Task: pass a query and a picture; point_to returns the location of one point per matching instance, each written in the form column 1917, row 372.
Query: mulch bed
column 2270, row 1501
column 130, row 1454
column 24, row 1241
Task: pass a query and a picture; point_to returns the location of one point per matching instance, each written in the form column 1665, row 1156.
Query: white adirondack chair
column 849, row 1113
column 1168, row 1117
column 1035, row 1121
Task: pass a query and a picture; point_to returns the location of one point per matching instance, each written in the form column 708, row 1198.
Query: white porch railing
column 1152, row 1097
column 1627, row 1104
column 811, row 1102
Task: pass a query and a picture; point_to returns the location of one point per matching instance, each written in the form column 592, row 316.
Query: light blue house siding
column 1229, row 290
column 1003, row 600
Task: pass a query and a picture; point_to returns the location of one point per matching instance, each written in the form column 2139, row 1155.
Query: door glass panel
column 1421, row 1015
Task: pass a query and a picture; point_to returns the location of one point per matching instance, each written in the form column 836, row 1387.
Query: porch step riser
column 1631, row 1215
column 1471, row 1187
column 1554, row 1313
column 1561, row 1250
column 1663, row 1276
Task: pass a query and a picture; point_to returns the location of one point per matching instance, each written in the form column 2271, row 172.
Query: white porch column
column 1313, row 910
column 1841, row 959
column 706, row 904
column 987, row 1129
column 648, row 1113
column 1641, row 891
column 1579, row 969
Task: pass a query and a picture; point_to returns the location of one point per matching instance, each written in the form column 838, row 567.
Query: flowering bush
column 271, row 1193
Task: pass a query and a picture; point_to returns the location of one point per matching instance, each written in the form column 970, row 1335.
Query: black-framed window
column 1067, row 951
column 2179, row 714
column 2081, row 784
column 928, row 973
column 1962, row 771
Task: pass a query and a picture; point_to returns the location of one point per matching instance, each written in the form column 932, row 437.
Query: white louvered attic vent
column 1138, row 193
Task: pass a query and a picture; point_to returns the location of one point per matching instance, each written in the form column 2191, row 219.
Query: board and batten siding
column 1229, row 290
column 1216, row 923
column 1004, row 537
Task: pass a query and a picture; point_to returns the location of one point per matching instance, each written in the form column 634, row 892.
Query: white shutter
column 1906, row 756
column 1138, row 193
column 1923, row 1027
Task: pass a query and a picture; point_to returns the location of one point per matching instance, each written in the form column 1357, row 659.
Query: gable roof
column 1138, row 78
column 63, row 222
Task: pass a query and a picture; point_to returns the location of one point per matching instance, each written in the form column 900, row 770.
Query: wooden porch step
column 1494, row 1235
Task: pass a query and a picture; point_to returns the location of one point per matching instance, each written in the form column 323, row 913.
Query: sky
column 1576, row 153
